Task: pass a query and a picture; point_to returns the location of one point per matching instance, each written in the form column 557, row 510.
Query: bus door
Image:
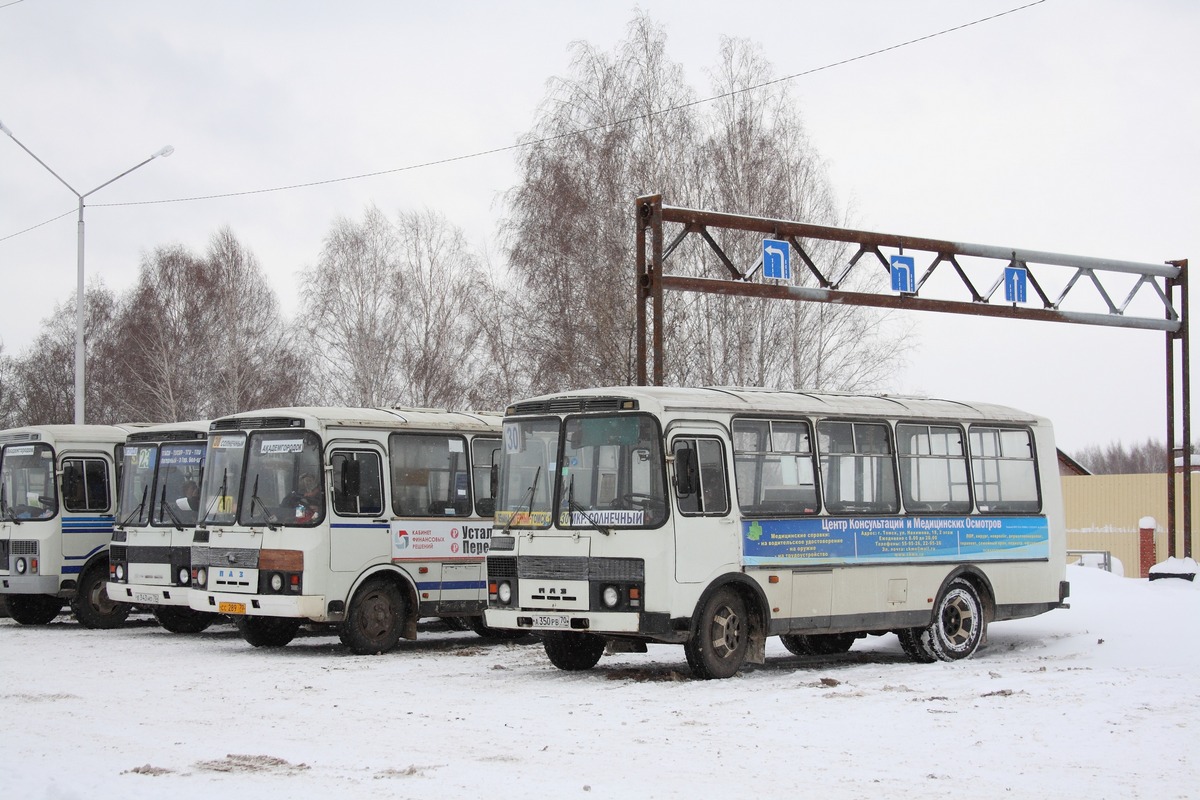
column 87, row 504
column 359, row 530
column 707, row 538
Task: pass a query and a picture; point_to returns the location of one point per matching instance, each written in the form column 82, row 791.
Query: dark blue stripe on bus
column 367, row 525
column 447, row 585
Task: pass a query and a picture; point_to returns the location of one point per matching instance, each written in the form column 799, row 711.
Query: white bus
column 57, row 498
column 368, row 519
column 149, row 560
column 714, row 518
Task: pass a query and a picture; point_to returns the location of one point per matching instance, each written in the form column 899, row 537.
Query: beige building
column 1103, row 513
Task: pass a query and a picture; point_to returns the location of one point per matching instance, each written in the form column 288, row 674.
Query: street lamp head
column 166, row 151
column 5, row 129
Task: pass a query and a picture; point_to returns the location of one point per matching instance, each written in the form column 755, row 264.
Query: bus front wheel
column 376, row 619
column 573, row 651
column 92, row 605
column 268, row 631
column 183, row 620
column 718, row 646
column 32, row 609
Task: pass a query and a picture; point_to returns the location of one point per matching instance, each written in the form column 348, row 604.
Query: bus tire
column 573, row 652
column 915, row 644
column 797, row 644
column 32, row 609
column 92, row 605
column 268, row 631
column 958, row 621
column 376, row 619
column 183, row 620
column 717, row 647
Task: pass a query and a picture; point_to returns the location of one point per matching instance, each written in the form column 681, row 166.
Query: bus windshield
column 137, row 476
column 612, row 473
column 283, row 483
column 222, row 479
column 27, row 488
column 177, row 490
column 530, row 449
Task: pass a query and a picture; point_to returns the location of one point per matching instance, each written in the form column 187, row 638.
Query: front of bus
column 150, row 556
column 31, row 562
column 580, row 516
column 262, row 510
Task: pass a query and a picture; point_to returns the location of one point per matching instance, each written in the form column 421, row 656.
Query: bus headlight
column 504, row 593
column 21, row 566
column 610, row 597
column 182, row 577
column 276, row 582
column 201, row 577
column 120, row 572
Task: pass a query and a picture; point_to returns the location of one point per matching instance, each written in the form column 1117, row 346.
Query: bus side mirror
column 686, row 479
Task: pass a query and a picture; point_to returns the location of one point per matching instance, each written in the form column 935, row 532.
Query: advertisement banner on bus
column 882, row 539
column 423, row 540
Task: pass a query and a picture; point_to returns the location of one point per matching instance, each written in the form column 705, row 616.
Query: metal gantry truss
column 1162, row 287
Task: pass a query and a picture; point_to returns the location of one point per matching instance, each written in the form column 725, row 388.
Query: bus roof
column 74, row 434
column 745, row 400
column 338, row 417
column 171, row 431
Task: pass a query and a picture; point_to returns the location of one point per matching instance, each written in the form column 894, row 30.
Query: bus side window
column 708, row 488
column 85, row 484
column 357, row 483
column 485, row 458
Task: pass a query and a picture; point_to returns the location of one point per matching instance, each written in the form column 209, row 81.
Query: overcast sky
column 1070, row 126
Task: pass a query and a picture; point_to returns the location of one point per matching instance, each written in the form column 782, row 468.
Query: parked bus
column 367, row 519
column 714, row 518
column 149, row 560
column 56, row 518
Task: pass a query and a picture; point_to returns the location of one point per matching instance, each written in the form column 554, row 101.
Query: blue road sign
column 777, row 263
column 1015, row 279
column 904, row 274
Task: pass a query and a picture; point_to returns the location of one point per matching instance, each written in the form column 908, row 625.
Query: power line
column 556, row 137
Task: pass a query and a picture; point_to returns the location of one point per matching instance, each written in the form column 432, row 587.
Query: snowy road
column 1096, row 701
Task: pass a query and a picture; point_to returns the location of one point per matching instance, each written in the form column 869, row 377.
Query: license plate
column 552, row 621
column 231, row 608
column 143, row 597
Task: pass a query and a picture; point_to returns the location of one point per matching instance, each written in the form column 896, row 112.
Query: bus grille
column 224, row 557
column 501, row 567
column 581, row 569
column 568, row 405
column 254, row 423
column 24, row 547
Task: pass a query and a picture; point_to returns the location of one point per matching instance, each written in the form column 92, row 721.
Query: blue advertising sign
column 860, row 540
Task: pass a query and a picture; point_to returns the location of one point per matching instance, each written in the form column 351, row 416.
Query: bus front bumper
column 311, row 607
column 29, row 584
column 148, row 594
column 654, row 626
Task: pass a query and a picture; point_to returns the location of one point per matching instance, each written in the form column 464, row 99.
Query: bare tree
column 625, row 124
column 393, row 312
column 1116, row 458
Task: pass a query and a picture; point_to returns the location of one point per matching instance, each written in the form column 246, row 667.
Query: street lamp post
column 80, row 357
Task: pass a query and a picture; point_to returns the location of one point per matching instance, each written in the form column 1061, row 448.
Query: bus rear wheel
column 915, row 644
column 818, row 644
column 958, row 621
column 92, row 605
column 718, row 646
column 32, row 609
column 376, row 619
column 268, row 631
column 573, row 651
column 183, row 620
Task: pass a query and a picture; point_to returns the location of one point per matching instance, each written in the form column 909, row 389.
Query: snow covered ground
column 1098, row 701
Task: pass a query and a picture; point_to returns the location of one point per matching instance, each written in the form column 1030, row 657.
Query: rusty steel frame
column 1168, row 282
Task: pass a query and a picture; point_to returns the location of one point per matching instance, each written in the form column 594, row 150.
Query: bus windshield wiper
column 6, row 513
column 528, row 504
column 137, row 512
column 573, row 506
column 220, row 493
column 163, row 505
column 271, row 520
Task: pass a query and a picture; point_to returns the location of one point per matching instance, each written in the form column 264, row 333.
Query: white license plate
column 552, row 621
column 144, row 597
